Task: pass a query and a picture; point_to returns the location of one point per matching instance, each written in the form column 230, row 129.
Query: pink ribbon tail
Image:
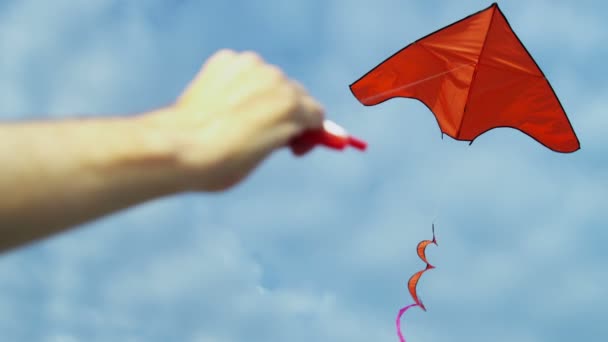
column 401, row 312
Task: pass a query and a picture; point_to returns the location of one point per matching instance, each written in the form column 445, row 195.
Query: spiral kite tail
column 401, row 312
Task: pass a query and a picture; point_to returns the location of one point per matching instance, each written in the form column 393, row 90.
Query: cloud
column 318, row 248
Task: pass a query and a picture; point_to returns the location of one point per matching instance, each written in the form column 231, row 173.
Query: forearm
column 56, row 175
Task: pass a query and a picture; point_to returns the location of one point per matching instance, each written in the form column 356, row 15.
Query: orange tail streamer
column 413, row 282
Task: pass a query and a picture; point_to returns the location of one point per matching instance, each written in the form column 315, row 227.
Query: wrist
column 199, row 161
column 172, row 141
column 144, row 154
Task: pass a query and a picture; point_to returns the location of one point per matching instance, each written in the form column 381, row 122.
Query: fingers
column 212, row 69
column 246, row 79
column 241, row 64
column 299, row 107
column 218, row 60
column 310, row 113
column 216, row 64
column 301, row 146
column 227, row 69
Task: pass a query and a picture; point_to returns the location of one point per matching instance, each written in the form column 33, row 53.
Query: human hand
column 235, row 112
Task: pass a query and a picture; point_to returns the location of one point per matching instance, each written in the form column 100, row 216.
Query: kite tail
column 401, row 312
column 413, row 282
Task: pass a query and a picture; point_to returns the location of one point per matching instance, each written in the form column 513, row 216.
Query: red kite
column 474, row 75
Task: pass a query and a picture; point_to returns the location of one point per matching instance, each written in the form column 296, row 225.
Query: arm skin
column 55, row 175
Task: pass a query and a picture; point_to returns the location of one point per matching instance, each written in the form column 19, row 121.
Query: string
column 438, row 199
column 450, row 160
column 448, row 173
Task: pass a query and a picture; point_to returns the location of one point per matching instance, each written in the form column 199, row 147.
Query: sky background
column 318, row 248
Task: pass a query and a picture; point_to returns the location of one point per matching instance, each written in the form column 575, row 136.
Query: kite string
column 449, row 160
column 440, row 197
column 411, row 84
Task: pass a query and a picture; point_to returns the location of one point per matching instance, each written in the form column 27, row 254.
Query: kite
column 413, row 282
column 474, row 75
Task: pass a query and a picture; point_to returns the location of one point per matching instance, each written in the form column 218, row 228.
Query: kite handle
column 330, row 135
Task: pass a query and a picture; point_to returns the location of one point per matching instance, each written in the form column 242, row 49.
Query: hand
column 236, row 112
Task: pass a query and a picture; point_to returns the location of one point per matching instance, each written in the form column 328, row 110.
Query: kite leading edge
column 474, row 75
column 413, row 282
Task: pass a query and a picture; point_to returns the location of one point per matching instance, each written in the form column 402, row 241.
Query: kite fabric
column 474, row 75
column 413, row 282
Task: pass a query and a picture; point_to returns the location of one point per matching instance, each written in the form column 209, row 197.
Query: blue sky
column 319, row 248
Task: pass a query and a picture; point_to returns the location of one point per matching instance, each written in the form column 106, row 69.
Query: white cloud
column 61, row 338
column 318, row 248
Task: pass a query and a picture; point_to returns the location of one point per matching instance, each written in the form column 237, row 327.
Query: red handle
column 331, row 135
